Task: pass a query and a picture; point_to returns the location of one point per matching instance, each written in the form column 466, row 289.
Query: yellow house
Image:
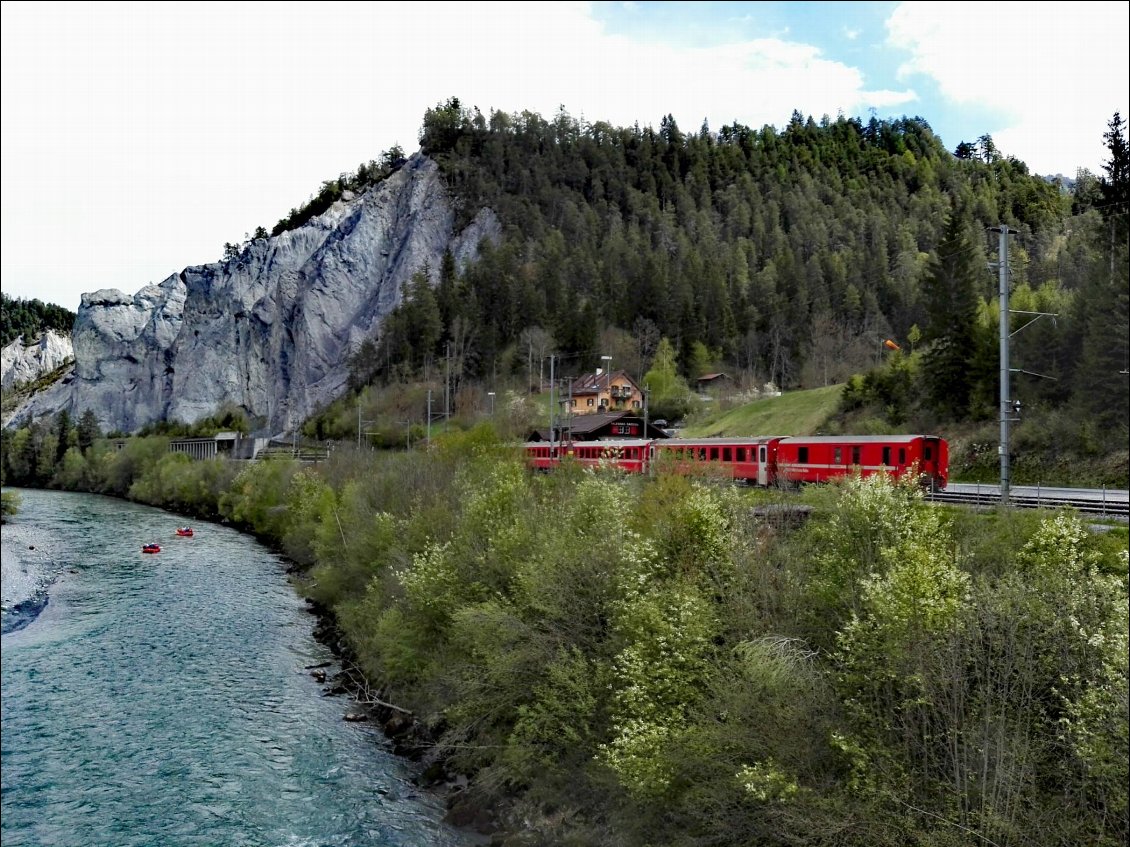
column 600, row 392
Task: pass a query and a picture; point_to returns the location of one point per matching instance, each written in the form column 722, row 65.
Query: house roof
column 583, row 426
column 594, row 383
column 712, row 377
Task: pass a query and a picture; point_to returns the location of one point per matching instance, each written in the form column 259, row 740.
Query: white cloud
column 138, row 138
column 1053, row 73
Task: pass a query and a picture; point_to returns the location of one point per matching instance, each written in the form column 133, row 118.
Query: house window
column 573, row 403
column 591, row 401
column 635, row 404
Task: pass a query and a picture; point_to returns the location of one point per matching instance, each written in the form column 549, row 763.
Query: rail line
column 1110, row 504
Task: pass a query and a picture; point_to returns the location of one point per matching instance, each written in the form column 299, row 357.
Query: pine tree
column 1101, row 383
column 65, row 432
column 949, row 370
column 1115, row 185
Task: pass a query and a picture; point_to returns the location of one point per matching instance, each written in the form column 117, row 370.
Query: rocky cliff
column 270, row 331
column 22, row 362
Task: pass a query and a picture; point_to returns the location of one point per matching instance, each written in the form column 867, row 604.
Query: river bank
column 412, row 738
column 28, row 566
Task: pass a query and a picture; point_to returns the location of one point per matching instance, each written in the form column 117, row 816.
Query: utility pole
column 646, row 392
column 446, row 381
column 1005, row 401
column 552, row 384
column 569, row 410
column 429, row 417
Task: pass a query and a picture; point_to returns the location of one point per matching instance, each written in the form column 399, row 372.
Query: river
column 167, row 700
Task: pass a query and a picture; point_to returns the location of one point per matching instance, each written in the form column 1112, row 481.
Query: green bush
column 9, row 504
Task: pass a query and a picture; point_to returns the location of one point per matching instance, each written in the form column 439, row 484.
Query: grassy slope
column 795, row 413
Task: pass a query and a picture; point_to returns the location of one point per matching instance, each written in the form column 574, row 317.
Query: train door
column 934, row 461
column 762, row 465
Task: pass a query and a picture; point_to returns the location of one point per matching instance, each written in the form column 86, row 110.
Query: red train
column 762, row 460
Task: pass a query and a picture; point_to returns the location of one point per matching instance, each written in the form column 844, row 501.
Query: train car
column 543, row 455
column 821, row 458
column 751, row 460
column 627, row 455
column 762, row 460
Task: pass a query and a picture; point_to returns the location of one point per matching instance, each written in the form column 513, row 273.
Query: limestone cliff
column 270, row 331
column 22, row 362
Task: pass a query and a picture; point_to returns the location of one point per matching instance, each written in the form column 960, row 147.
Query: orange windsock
column 890, row 345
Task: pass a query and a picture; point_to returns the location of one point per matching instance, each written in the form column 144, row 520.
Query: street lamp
column 608, row 378
column 490, row 394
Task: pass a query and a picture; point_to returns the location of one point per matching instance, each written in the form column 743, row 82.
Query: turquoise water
column 166, row 699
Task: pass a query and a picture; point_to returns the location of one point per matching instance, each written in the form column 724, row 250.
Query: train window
column 855, row 456
column 702, row 454
column 739, row 454
column 714, row 454
column 838, row 458
column 929, row 452
column 802, row 455
column 886, row 455
column 902, row 455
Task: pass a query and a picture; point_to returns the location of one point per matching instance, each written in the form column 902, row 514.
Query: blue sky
column 139, row 137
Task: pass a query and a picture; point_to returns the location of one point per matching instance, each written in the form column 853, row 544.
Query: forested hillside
column 31, row 317
column 778, row 255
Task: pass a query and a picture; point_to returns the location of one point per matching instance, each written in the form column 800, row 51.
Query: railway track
column 1097, row 502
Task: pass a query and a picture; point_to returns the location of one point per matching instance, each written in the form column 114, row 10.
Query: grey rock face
column 20, row 362
column 270, row 332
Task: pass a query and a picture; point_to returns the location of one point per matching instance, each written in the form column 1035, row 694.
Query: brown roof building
column 599, row 427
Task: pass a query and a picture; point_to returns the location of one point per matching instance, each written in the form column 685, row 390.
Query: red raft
column 184, row 531
column 151, row 548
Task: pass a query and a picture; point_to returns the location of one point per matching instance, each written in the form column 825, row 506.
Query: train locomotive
column 761, row 460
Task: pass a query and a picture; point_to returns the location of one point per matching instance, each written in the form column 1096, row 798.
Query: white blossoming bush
column 495, row 527
column 697, row 535
column 1085, row 612
column 666, row 624
column 908, row 612
column 765, row 781
column 870, row 515
column 308, row 500
column 431, row 584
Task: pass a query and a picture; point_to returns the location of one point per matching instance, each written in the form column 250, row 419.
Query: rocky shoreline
column 412, row 738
